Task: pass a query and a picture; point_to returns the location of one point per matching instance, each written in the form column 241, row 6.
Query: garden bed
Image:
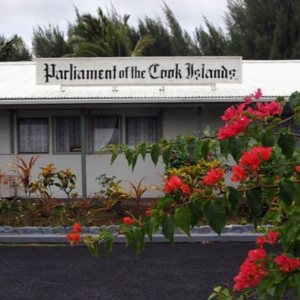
column 64, row 213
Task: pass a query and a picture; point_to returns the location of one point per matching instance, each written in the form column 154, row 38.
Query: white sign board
column 139, row 70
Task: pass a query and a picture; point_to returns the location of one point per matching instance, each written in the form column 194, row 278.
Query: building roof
column 275, row 78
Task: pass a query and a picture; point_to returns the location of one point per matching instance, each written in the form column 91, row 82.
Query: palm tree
column 106, row 35
column 13, row 49
column 49, row 42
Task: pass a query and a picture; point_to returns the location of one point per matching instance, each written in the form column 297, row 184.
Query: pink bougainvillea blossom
column 286, row 263
column 252, row 271
column 213, row 176
column 239, row 173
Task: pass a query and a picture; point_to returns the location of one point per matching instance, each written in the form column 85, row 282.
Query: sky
column 21, row 16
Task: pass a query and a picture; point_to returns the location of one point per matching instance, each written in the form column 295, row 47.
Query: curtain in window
column 141, row 129
column 33, row 135
column 105, row 130
column 67, row 134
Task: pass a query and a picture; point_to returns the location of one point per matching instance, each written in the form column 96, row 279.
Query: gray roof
column 275, row 78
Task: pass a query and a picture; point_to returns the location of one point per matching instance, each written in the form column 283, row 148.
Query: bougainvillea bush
column 265, row 176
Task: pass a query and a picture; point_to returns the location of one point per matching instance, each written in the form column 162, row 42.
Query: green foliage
column 255, row 29
column 105, row 35
column 14, row 49
column 215, row 214
column 49, row 42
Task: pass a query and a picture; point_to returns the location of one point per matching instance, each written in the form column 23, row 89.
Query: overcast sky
column 21, row 16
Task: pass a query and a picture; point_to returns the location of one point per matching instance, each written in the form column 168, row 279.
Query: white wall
column 178, row 121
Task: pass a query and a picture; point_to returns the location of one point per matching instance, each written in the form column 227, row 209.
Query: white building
column 52, row 121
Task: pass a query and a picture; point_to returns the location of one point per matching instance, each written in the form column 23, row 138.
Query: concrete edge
column 157, row 238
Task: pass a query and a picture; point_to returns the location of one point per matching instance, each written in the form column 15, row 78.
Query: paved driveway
column 162, row 272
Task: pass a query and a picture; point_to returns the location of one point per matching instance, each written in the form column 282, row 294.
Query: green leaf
column 169, row 226
column 296, row 248
column 134, row 160
column 268, row 137
column 270, row 193
column 287, row 144
column 297, row 120
column 167, row 154
column 108, row 246
column 129, row 156
column 255, row 203
column 196, row 212
column 129, row 238
column 143, row 147
column 224, row 148
column 295, row 282
column 287, row 192
column 164, row 201
column 93, row 249
column 237, row 146
column 264, row 285
column 114, row 155
column 233, row 197
column 205, row 148
column 215, row 215
column 272, row 216
column 297, row 195
column 294, row 99
column 180, row 143
column 102, row 151
column 183, row 219
column 154, row 152
column 163, row 142
column 280, row 289
column 150, row 225
column 193, row 147
column 138, row 240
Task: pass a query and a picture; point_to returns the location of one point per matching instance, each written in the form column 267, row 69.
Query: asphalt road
column 162, row 272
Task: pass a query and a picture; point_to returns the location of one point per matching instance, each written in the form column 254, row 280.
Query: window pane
column 141, row 129
column 67, row 134
column 105, row 131
column 33, row 135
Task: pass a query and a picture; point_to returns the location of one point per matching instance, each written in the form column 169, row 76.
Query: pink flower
column 128, row 221
column 268, row 109
column 286, row 263
column 272, row 237
column 239, row 173
column 257, row 94
column 186, row 189
column 213, row 176
column 173, row 183
column 77, row 227
column 252, row 270
column 74, row 238
column 261, row 240
column 251, row 160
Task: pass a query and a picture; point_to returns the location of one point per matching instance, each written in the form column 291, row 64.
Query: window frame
column 19, row 136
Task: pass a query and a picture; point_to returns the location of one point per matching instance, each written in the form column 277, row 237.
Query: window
column 141, row 129
column 33, row 135
column 67, row 134
column 105, row 131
